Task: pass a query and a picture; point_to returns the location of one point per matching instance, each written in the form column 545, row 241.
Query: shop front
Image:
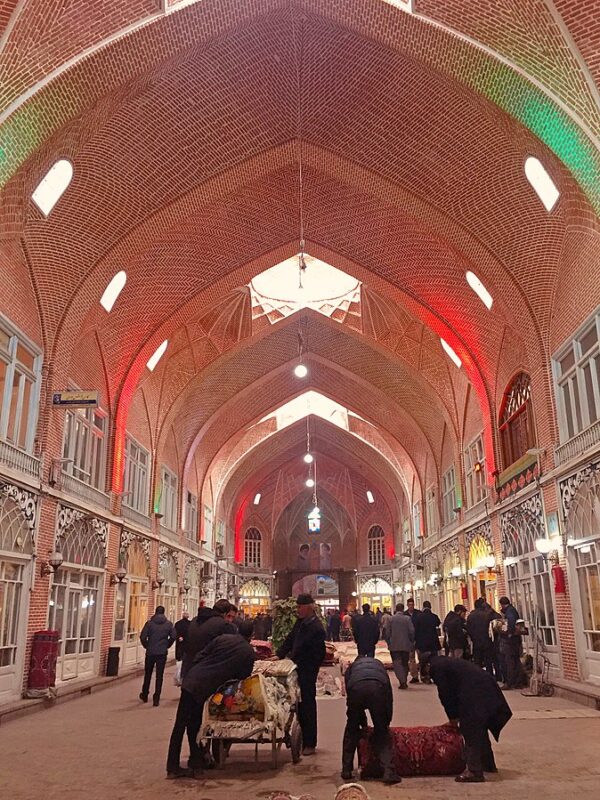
column 377, row 592
column 191, row 586
column 131, row 598
column 580, row 495
column 168, row 579
column 453, row 573
column 528, row 576
column 75, row 604
column 17, row 524
column 255, row 597
column 482, row 569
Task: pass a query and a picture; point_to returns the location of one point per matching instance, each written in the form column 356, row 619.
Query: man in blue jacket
column 368, row 688
column 157, row 635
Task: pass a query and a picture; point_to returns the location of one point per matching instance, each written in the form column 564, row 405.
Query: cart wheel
column 274, row 750
column 296, row 741
column 547, row 690
column 219, row 752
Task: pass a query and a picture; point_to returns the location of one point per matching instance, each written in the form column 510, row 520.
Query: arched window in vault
column 517, row 433
column 252, row 548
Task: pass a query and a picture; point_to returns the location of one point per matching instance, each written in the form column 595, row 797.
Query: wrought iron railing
column 16, row 459
column 578, row 444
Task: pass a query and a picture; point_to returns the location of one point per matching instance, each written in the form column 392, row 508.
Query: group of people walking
column 215, row 647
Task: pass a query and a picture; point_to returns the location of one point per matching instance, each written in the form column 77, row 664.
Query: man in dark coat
column 210, row 623
column 181, row 628
column 413, row 667
column 228, row 656
column 366, row 631
column 335, row 625
column 472, row 699
column 478, row 628
column 305, row 645
column 368, row 688
column 510, row 646
column 427, row 638
column 157, row 635
column 454, row 627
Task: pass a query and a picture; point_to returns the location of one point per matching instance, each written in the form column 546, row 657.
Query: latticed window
column 20, row 367
column 376, row 542
column 252, row 548
column 191, row 516
column 85, row 445
column 475, row 472
column 168, row 498
column 516, row 420
column 577, row 376
column 448, row 495
column 136, row 476
column 431, row 512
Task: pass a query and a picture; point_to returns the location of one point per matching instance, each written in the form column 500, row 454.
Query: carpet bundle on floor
column 436, row 750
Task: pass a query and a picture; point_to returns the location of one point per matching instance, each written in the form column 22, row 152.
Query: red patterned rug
column 434, row 750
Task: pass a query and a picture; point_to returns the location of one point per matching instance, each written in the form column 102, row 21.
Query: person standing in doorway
column 400, row 641
column 427, row 639
column 305, row 645
column 413, row 666
column 335, row 624
column 157, row 635
column 368, row 689
column 181, row 628
column 510, row 646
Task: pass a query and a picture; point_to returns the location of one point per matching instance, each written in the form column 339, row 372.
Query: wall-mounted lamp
column 55, row 559
column 548, row 549
column 158, row 582
column 185, row 588
column 118, row 576
column 489, row 562
column 456, row 572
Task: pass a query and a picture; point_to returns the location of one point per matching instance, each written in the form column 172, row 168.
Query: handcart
column 259, row 710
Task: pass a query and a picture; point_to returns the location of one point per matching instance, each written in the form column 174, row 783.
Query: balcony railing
column 475, row 511
column 143, row 520
column 578, row 444
column 72, row 485
column 16, row 459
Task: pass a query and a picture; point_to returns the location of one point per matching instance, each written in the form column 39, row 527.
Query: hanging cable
column 299, row 59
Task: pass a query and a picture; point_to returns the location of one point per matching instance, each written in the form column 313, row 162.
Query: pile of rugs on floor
column 329, row 684
column 349, row 791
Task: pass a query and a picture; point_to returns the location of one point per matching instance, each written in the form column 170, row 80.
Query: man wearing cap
column 305, row 645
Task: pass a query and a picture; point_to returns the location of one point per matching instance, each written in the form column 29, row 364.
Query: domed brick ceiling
column 412, row 129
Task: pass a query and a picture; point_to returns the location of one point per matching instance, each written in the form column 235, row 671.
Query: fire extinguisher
column 559, row 579
column 463, row 592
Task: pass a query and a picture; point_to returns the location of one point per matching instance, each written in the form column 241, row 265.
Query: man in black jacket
column 478, row 628
column 210, row 623
column 368, row 688
column 181, row 629
column 454, row 627
column 365, row 628
column 427, row 638
column 157, row 635
column 305, row 645
column 227, row 657
column 472, row 699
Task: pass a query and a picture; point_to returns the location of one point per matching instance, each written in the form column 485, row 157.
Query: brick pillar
column 108, row 598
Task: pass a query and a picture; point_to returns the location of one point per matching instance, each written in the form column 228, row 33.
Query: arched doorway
column 17, row 519
column 377, row 592
column 168, row 592
column 453, row 574
column 581, row 504
column 481, row 566
column 255, row 597
column 527, row 574
column 323, row 588
column 131, row 597
column 76, row 593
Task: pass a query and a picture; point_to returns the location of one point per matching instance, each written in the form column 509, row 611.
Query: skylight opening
column 451, row 353
column 370, row 497
column 542, row 183
column 158, row 354
column 113, row 290
column 52, row 186
column 257, row 497
column 479, row 289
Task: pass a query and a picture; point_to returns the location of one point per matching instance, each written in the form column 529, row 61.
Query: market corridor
column 110, row 745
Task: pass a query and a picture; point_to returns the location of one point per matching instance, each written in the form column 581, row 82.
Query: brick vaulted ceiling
column 185, row 121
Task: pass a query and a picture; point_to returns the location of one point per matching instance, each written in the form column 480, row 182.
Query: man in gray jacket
column 400, row 637
column 157, row 635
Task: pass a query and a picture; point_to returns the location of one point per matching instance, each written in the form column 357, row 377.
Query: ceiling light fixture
column 451, row 353
column 301, row 370
column 370, row 497
column 310, row 483
column 308, row 458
